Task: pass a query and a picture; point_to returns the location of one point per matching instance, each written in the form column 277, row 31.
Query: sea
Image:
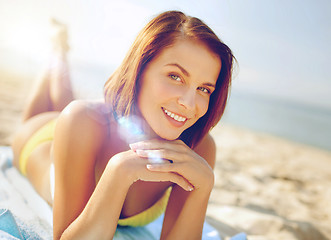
column 295, row 121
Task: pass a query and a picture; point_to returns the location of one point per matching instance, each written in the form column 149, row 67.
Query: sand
column 265, row 186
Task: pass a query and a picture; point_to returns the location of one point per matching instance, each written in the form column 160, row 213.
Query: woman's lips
column 174, row 115
column 175, row 119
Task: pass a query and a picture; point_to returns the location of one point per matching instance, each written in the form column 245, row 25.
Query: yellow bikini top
column 149, row 215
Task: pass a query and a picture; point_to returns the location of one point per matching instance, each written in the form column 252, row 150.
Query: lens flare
column 130, row 129
column 155, row 157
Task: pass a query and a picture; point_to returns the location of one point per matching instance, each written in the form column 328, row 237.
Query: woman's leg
column 39, row 160
column 54, row 91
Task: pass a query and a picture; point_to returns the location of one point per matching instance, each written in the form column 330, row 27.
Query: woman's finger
column 162, row 155
column 153, row 156
column 178, row 168
column 161, row 167
column 168, row 176
column 158, row 144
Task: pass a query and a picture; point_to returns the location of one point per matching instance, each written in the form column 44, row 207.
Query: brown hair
column 122, row 88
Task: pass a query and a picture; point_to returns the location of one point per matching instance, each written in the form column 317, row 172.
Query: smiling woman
column 144, row 148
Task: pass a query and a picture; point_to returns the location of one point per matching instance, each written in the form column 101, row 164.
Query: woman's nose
column 187, row 99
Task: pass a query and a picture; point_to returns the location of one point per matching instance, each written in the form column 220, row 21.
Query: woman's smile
column 175, row 119
column 174, row 115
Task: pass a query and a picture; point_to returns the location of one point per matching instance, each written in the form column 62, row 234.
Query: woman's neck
column 134, row 128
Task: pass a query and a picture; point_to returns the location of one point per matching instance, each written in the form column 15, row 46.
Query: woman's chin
column 168, row 136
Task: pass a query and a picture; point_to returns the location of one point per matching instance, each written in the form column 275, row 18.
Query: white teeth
column 174, row 116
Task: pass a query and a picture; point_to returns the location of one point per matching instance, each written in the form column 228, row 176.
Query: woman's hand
column 131, row 165
column 175, row 160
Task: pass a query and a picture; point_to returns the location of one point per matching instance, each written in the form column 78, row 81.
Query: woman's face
column 176, row 87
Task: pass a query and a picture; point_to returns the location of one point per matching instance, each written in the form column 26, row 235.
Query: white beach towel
column 25, row 215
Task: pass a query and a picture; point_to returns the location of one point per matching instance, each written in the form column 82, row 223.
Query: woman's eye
column 175, row 77
column 205, row 90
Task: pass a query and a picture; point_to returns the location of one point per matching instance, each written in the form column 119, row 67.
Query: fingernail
column 133, row 146
column 136, row 145
column 141, row 153
column 149, row 166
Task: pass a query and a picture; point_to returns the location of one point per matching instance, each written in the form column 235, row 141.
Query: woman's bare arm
column 81, row 211
column 187, row 210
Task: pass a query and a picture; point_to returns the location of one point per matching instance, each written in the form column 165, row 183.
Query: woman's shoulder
column 207, row 149
column 88, row 110
column 85, row 118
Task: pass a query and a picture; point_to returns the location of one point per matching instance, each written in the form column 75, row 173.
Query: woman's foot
column 53, row 91
column 59, row 37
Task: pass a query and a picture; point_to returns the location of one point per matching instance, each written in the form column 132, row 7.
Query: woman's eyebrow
column 210, row 84
column 180, row 67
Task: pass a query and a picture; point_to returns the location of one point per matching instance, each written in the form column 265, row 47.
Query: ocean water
column 295, row 121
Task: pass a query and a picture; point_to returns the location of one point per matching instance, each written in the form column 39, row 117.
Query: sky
column 282, row 47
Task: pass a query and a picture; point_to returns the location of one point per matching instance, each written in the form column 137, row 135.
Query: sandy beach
column 265, row 186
